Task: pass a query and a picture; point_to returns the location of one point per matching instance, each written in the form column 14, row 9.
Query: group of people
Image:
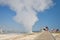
column 46, row 29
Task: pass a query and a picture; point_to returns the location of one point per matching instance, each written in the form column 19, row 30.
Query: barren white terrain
column 17, row 36
column 24, row 36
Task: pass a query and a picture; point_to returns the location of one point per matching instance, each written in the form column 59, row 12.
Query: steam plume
column 26, row 10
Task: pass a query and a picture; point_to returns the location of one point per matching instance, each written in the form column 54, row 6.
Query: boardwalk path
column 45, row 36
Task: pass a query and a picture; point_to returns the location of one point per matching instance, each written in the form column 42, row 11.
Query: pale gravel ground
column 23, row 36
column 57, row 37
column 17, row 36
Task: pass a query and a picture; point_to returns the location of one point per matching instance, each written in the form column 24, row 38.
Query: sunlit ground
column 24, row 36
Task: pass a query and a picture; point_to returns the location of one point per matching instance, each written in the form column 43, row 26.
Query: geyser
column 26, row 10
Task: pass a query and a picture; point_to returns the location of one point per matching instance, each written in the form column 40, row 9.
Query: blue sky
column 6, row 20
column 50, row 18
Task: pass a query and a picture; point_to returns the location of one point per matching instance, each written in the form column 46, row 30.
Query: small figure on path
column 46, row 28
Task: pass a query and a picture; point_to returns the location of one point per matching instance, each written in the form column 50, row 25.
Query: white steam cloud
column 26, row 10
